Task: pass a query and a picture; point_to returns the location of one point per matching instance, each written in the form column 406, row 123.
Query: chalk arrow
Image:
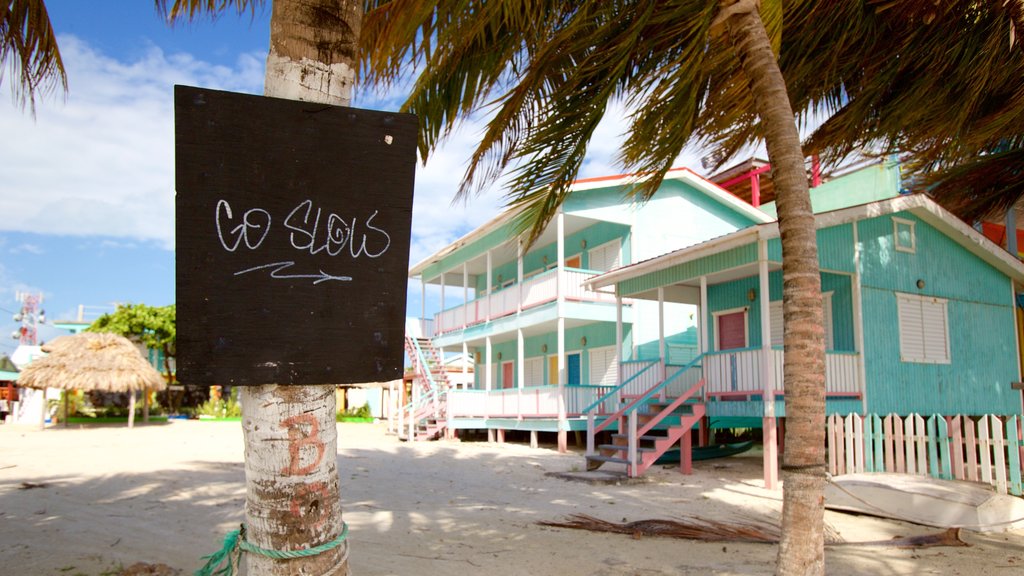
column 277, row 271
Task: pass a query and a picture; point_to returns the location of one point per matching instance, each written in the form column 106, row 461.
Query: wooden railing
column 988, row 449
column 534, row 291
column 738, row 372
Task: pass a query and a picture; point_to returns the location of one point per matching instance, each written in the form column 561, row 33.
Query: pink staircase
column 648, row 425
column 426, row 412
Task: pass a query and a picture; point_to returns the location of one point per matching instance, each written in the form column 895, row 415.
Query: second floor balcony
column 533, row 292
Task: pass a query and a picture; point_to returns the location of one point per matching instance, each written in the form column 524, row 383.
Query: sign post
column 293, row 227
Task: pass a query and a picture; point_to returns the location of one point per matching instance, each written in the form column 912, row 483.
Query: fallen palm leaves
column 745, row 531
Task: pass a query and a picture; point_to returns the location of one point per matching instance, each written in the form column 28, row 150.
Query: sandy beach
column 94, row 500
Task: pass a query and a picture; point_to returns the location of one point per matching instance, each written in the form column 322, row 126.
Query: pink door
column 732, row 331
column 507, row 375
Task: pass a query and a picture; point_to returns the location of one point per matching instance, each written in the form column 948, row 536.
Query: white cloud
column 102, row 162
column 28, row 249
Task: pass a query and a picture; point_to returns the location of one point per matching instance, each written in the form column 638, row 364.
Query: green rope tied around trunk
column 235, row 544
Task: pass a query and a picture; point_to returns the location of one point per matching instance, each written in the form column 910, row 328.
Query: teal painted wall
column 734, row 294
column 981, row 324
column 694, row 269
column 835, row 248
column 868, row 184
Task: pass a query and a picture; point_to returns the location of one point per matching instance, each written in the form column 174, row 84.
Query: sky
column 87, row 195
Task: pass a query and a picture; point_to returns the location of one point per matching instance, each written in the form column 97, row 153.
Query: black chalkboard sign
column 293, row 226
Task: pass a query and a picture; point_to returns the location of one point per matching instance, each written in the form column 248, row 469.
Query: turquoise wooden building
column 544, row 346
column 919, row 315
column 636, row 323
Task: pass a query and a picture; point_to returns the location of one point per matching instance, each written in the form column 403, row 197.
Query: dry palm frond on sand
column 741, row 531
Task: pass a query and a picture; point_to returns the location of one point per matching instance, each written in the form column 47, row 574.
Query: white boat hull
column 927, row 501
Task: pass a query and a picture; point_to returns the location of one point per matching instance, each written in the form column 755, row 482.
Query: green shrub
column 220, row 408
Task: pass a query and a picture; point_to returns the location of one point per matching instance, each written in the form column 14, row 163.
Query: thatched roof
column 105, row 362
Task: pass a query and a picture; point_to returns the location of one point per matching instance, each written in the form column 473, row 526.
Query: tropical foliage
column 152, row 326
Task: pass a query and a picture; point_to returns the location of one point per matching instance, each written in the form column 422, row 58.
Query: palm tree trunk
column 801, row 549
column 292, row 485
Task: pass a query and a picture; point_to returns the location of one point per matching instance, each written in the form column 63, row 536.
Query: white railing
column 535, row 291
column 572, row 286
column 638, row 378
column 529, row 402
column 738, row 372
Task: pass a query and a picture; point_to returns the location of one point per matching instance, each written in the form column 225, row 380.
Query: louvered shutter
column 605, row 257
column 924, row 329
column 775, row 318
column 535, row 371
column 935, row 330
column 604, row 366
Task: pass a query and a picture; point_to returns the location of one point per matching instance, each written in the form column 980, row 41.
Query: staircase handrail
column 614, row 391
column 632, row 406
column 424, row 406
column 422, row 364
column 670, row 408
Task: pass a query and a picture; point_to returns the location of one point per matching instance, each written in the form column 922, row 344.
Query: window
column 604, row 366
column 903, row 235
column 605, row 257
column 924, row 329
column 775, row 311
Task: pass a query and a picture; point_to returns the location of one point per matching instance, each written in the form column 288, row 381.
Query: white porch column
column 560, row 228
column 562, row 443
column 465, row 364
column 441, row 316
column 520, row 371
column 858, row 324
column 702, row 315
column 618, row 337
column 562, row 422
column 465, row 295
column 488, row 360
column 423, row 307
column 771, row 439
column 661, row 331
column 490, row 283
column 519, row 276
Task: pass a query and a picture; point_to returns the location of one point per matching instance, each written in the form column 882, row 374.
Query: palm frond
column 29, row 52
column 985, row 186
column 174, row 11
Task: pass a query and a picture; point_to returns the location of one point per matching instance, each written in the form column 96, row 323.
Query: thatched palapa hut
column 104, row 362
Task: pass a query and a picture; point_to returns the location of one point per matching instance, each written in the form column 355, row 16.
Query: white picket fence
column 987, row 449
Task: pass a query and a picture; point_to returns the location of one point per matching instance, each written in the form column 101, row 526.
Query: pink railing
column 534, row 291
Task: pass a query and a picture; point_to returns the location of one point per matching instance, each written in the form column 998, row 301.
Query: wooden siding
column 835, row 248
column 981, row 325
column 689, row 270
column 735, row 295
column 947, row 268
